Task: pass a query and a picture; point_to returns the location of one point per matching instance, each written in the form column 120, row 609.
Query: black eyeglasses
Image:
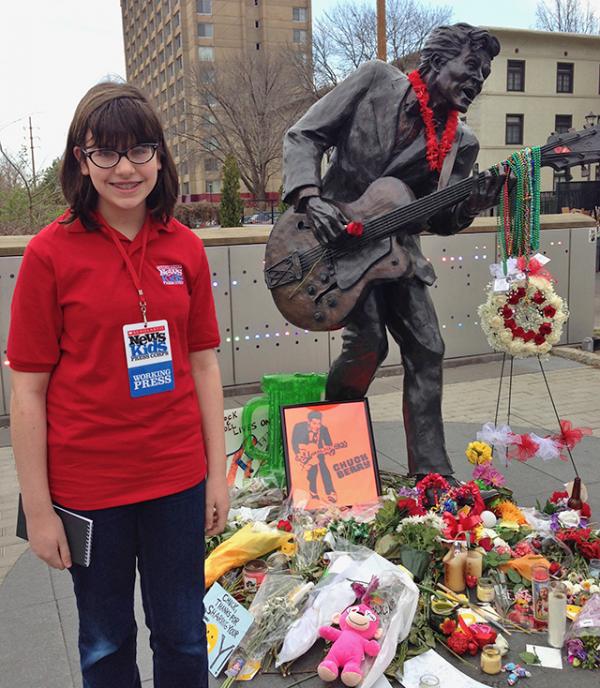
column 105, row 158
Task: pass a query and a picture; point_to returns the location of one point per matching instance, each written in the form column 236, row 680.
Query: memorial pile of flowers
column 455, row 543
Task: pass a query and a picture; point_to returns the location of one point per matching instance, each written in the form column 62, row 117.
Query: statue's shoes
column 450, row 479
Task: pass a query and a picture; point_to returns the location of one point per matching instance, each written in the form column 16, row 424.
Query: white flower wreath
column 525, row 321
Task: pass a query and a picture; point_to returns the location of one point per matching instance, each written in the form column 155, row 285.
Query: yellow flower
column 315, row 535
column 479, row 452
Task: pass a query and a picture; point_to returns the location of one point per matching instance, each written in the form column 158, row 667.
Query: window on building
column 206, row 54
column 179, row 85
column 186, row 188
column 562, row 123
column 256, row 24
column 212, row 187
column 177, row 41
column 514, row 130
column 299, row 36
column 258, row 46
column 211, row 164
column 205, row 30
column 515, row 75
column 161, row 56
column 176, row 19
column 183, row 167
column 179, row 63
column 204, row 6
column 564, row 77
column 171, row 70
column 299, row 14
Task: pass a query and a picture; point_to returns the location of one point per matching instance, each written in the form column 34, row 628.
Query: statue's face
column 460, row 80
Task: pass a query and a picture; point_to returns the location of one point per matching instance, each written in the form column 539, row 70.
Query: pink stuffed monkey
column 358, row 626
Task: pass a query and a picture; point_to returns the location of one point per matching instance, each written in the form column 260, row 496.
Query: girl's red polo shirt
column 72, row 297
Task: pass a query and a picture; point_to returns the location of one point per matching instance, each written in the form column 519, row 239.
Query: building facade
column 165, row 40
column 541, row 82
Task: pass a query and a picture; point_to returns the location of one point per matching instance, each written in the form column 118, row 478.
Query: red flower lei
column 436, row 150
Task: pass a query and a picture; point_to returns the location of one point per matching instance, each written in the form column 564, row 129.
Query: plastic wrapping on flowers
column 583, row 638
column 278, row 602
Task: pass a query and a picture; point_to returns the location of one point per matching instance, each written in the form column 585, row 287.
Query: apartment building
column 166, row 39
column 541, row 82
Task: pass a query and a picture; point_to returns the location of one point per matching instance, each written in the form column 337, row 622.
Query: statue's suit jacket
column 360, row 119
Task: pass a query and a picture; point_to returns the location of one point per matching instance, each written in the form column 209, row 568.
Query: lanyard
column 135, row 276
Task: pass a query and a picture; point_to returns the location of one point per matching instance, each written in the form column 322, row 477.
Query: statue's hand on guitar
column 485, row 193
column 326, row 220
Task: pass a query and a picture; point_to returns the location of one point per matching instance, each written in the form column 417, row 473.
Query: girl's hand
column 48, row 540
column 217, row 504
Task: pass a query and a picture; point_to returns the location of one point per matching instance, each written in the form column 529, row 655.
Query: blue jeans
column 166, row 537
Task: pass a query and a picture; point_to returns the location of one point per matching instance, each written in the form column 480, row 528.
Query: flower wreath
column 434, row 481
column 525, row 321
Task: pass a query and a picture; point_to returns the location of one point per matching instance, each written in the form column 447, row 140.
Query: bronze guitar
column 317, row 287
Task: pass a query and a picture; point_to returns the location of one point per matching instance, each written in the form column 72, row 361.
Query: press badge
column 149, row 358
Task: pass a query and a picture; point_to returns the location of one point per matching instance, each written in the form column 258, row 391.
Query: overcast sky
column 51, row 52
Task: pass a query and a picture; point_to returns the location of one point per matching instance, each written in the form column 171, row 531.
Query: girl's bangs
column 123, row 122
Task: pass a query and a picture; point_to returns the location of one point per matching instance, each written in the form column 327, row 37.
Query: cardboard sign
column 226, row 624
column 239, row 465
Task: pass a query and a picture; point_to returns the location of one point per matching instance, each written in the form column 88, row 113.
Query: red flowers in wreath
column 517, row 299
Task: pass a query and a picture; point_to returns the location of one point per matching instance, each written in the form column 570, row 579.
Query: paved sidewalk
column 37, row 608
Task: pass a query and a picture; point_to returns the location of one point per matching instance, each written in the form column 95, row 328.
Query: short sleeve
column 36, row 317
column 203, row 328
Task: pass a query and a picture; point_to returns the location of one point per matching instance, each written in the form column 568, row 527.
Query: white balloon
column 488, row 519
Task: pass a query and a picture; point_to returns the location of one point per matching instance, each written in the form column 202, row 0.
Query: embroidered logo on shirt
column 171, row 274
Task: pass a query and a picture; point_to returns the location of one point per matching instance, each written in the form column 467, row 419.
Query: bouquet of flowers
column 583, row 639
column 278, row 602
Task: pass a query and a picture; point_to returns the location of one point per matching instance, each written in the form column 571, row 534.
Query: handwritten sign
column 240, row 466
column 226, row 624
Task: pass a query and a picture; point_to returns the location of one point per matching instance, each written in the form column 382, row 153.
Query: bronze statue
column 396, row 138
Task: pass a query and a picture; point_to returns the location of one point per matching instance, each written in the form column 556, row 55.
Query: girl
column 117, row 407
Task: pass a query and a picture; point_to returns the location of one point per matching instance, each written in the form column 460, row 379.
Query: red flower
column 514, row 298
column 549, row 311
column 411, row 506
column 538, row 298
column 285, row 525
column 471, row 581
column 529, row 335
column 545, row 328
column 539, row 339
column 507, row 312
column 554, row 568
column 521, row 291
column 586, row 511
column 510, row 324
column 590, row 550
column 519, row 332
column 557, row 496
column 448, row 626
column 458, row 642
column 487, row 544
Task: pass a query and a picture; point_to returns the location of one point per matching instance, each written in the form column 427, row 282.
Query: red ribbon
column 459, row 524
column 533, row 267
column 570, row 436
column 522, row 447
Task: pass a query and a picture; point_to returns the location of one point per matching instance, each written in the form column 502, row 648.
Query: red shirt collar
column 154, row 225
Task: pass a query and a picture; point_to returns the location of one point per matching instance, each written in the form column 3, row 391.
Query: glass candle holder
column 485, row 590
column 491, row 660
column 429, row 681
column 557, row 614
column 594, row 568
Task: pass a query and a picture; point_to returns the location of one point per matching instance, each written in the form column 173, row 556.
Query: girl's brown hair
column 117, row 115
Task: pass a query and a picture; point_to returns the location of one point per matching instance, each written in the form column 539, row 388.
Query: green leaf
column 529, row 658
column 513, row 576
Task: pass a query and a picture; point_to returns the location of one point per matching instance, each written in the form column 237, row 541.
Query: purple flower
column 576, row 649
column 555, row 523
column 489, row 475
column 409, row 492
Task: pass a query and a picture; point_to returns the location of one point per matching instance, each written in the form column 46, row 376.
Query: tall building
column 165, row 40
column 541, row 82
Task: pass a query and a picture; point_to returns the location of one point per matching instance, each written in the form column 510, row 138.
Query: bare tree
column 572, row 16
column 242, row 107
column 346, row 36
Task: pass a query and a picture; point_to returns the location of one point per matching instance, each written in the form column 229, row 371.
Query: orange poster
column 329, row 454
